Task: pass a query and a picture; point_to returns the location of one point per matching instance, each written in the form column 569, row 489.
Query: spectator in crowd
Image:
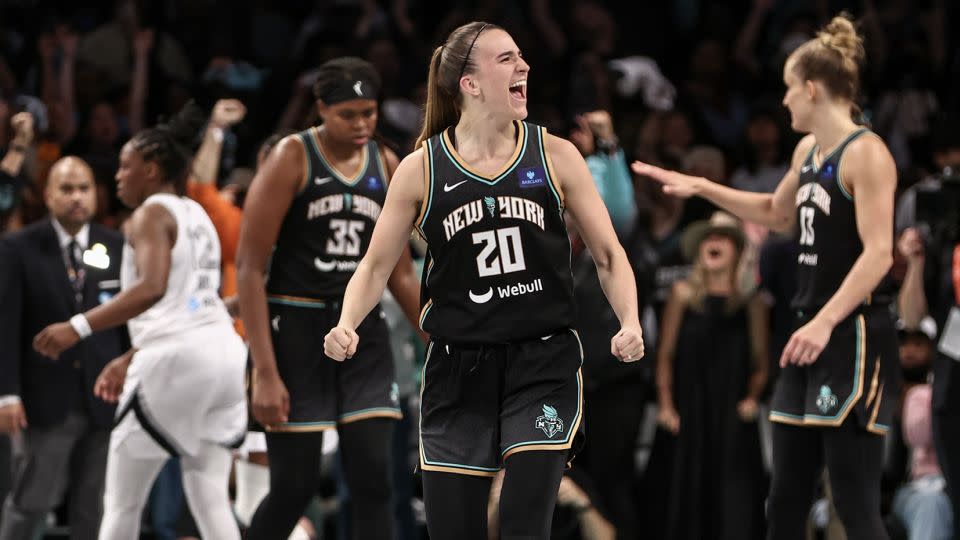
column 597, row 141
column 938, row 296
column 922, row 505
column 665, row 137
column 711, row 370
column 765, row 152
column 917, row 346
column 49, row 272
column 616, row 392
column 12, row 177
column 221, row 204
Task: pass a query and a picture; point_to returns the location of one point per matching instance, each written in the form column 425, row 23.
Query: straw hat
column 719, row 223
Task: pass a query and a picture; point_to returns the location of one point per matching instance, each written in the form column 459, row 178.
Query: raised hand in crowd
column 22, row 123
column 227, row 112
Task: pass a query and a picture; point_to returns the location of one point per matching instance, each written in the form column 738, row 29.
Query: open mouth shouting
column 518, row 90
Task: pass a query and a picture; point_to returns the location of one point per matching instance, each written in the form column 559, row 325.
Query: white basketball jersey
column 192, row 298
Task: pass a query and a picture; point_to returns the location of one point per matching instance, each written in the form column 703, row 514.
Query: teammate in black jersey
column 502, row 386
column 309, row 217
column 838, row 387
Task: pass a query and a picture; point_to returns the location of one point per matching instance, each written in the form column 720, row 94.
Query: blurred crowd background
column 692, row 85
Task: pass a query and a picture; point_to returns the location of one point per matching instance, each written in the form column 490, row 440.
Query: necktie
column 75, row 272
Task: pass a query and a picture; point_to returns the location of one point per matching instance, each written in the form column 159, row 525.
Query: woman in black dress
column 711, row 370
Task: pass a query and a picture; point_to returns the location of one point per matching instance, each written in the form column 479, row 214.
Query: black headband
column 467, row 57
column 345, row 90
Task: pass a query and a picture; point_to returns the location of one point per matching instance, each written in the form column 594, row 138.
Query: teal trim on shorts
column 283, row 302
column 349, row 415
column 570, row 433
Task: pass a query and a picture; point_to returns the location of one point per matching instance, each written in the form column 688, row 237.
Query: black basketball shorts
column 324, row 392
column 857, row 373
column 480, row 404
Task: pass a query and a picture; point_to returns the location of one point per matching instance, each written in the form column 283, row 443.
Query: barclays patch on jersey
column 373, row 182
column 531, row 177
column 827, row 172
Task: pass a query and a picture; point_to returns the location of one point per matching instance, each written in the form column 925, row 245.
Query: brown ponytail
column 833, row 57
column 448, row 64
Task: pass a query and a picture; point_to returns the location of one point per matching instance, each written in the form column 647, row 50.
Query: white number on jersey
column 202, row 249
column 346, row 237
column 806, row 226
column 510, row 255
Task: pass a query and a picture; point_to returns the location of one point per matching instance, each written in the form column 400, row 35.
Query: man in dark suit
column 50, row 271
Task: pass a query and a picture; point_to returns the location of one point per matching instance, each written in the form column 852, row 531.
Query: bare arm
column 774, row 211
column 271, row 193
column 268, row 200
column 388, row 242
column 68, row 40
column 551, row 32
column 403, row 281
column 912, row 299
column 22, row 123
column 869, row 171
column 613, row 268
column 745, row 46
column 142, row 44
column 666, row 350
column 153, row 232
column 759, row 320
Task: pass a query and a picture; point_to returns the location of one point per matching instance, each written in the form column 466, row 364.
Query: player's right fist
column 340, row 343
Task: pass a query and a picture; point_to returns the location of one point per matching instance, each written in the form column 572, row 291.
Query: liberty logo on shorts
column 491, row 205
column 826, row 400
column 550, row 423
column 394, row 393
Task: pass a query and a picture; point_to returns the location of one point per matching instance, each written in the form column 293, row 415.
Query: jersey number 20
column 509, row 256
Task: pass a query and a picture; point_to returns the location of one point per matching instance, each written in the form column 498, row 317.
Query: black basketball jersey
column 329, row 224
column 498, row 267
column 827, row 229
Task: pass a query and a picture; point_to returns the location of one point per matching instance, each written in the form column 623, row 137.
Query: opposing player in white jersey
column 182, row 382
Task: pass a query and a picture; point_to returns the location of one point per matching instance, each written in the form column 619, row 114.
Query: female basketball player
column 838, row 387
column 181, row 396
column 502, row 385
column 310, row 212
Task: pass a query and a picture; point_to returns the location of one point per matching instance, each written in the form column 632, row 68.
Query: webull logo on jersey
column 503, row 206
column 508, row 291
column 332, row 204
column 334, row 265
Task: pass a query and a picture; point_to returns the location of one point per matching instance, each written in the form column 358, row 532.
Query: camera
column 938, row 207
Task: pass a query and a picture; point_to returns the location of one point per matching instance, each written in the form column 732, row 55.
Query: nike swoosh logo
column 321, row 181
column 447, row 187
column 805, row 168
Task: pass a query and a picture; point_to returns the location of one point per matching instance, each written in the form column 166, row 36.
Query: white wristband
column 81, row 325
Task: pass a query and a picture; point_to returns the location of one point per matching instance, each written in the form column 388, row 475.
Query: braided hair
column 169, row 144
